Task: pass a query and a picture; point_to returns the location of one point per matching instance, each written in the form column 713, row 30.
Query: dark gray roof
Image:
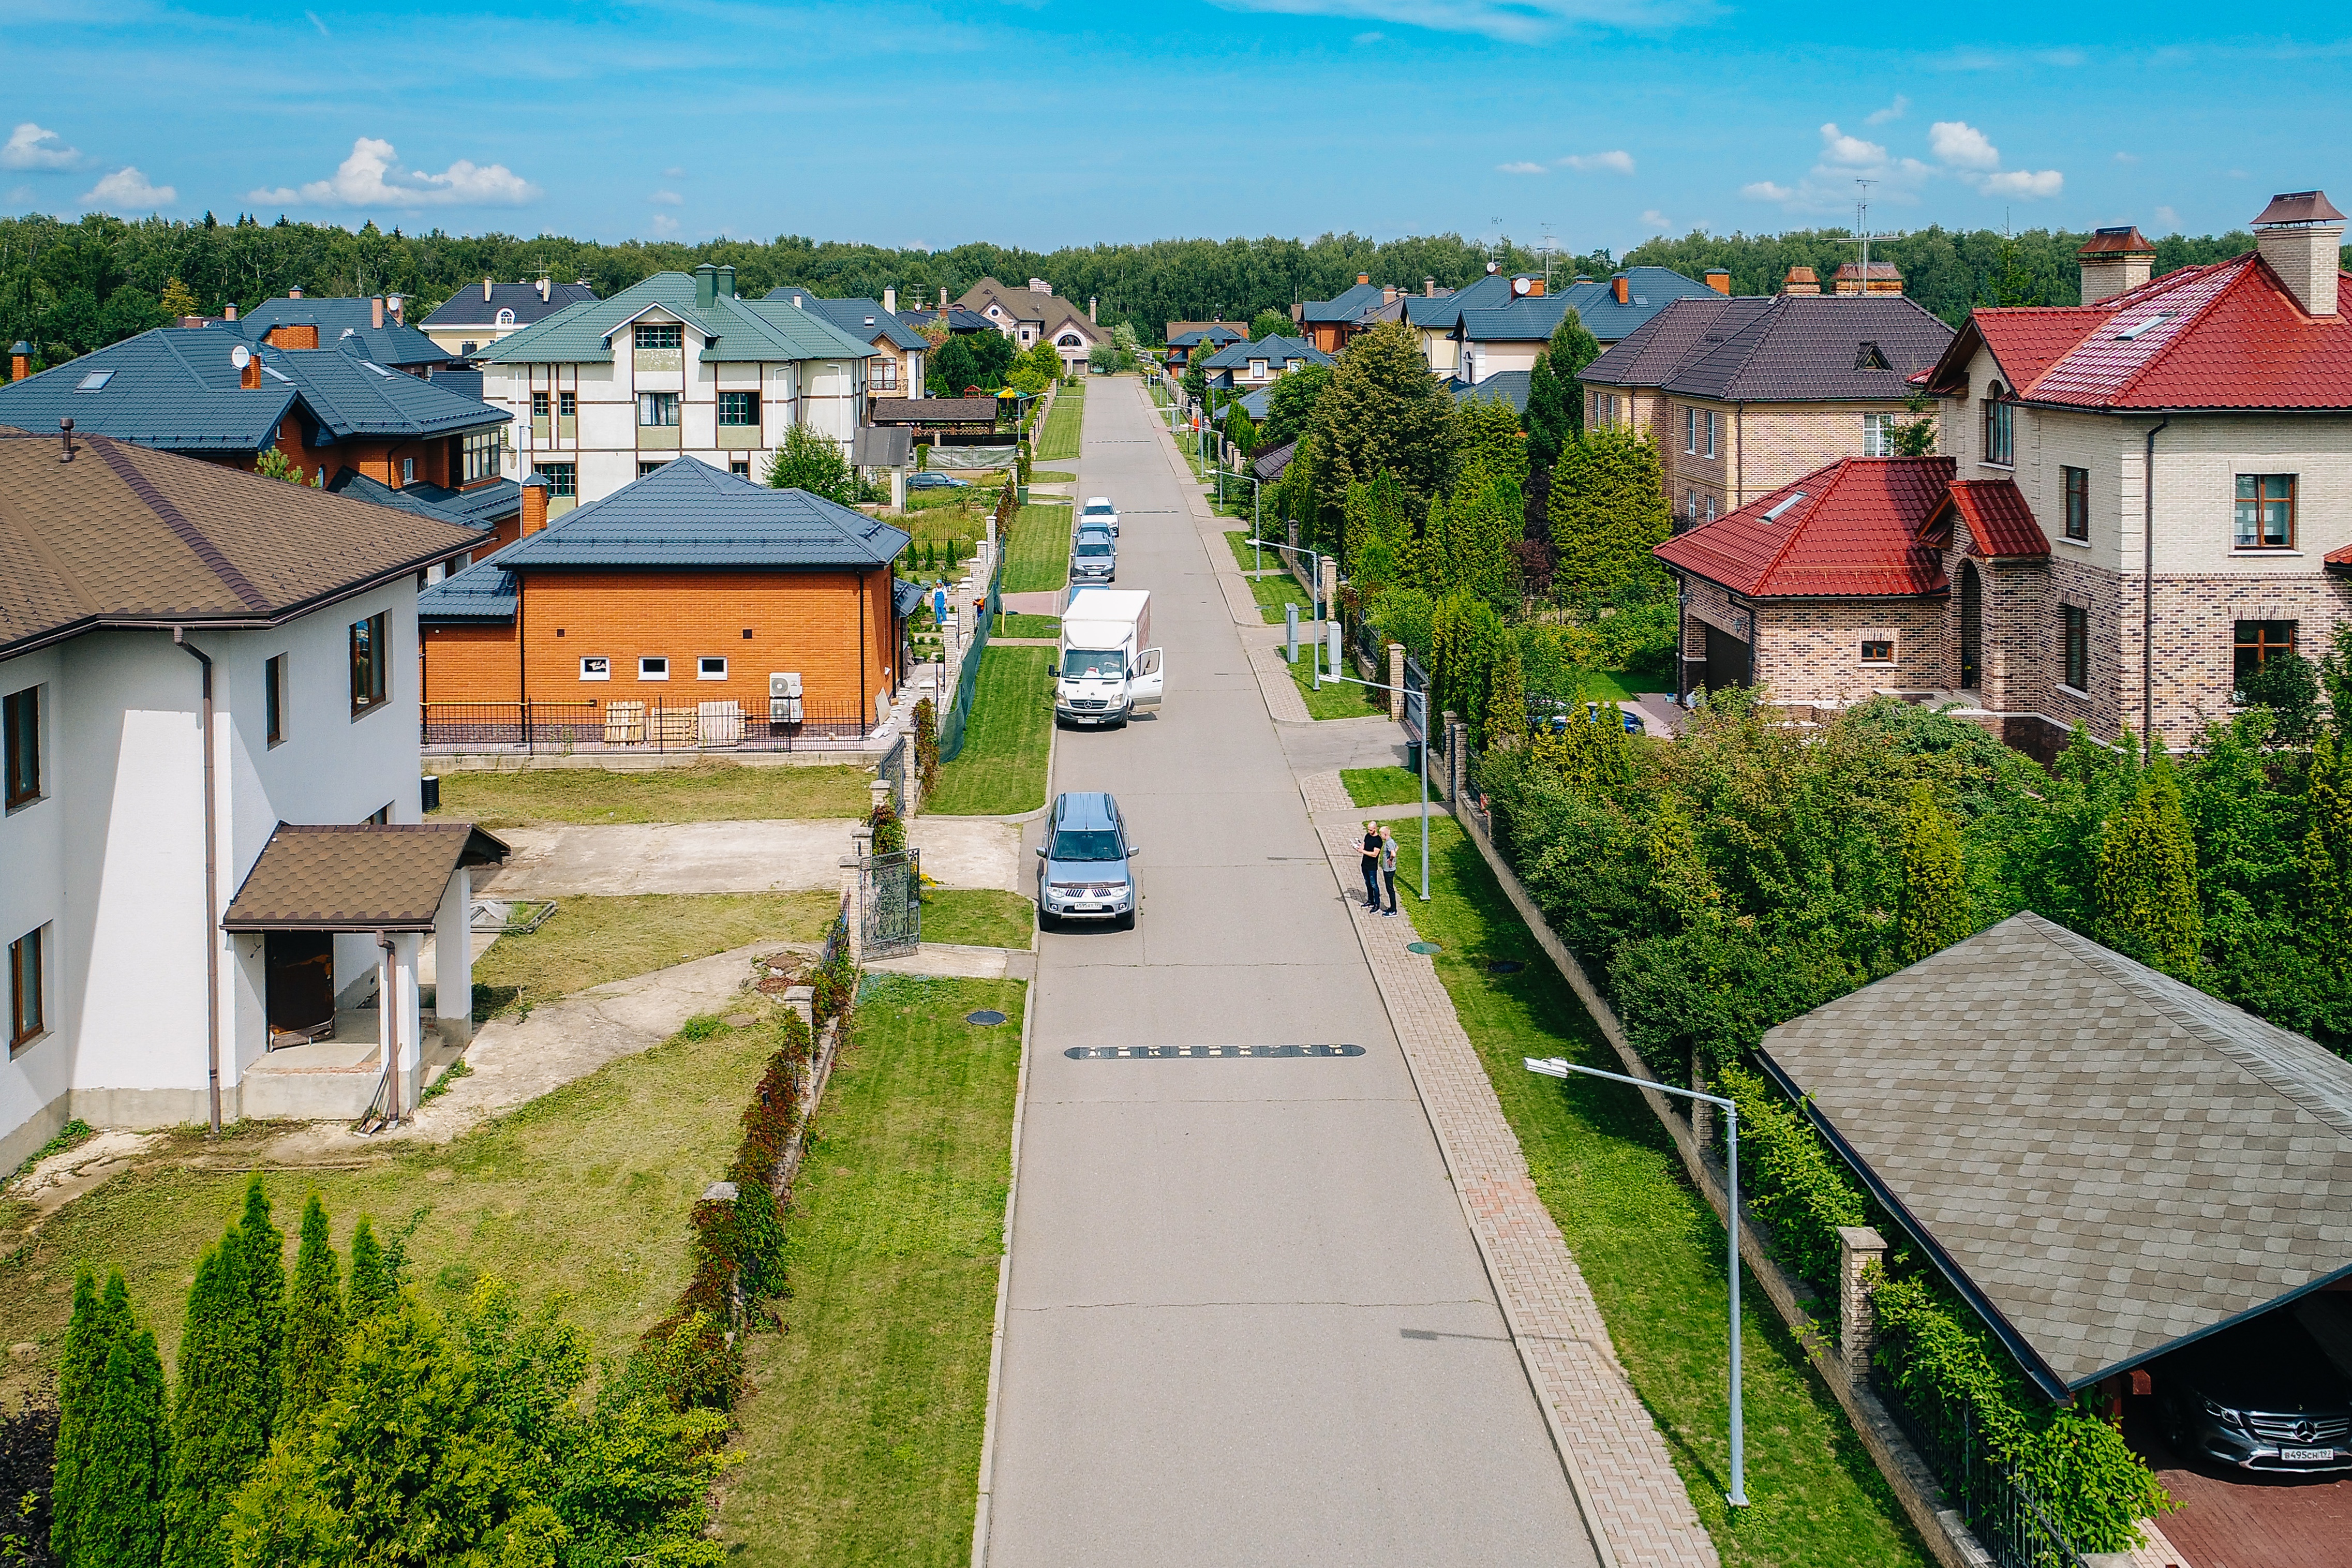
column 1648, row 290
column 959, row 320
column 2105, row 1161
column 689, row 513
column 1784, row 348
column 346, row 324
column 1209, row 334
column 877, row 446
column 905, row 598
column 1270, row 464
column 864, row 319
column 1237, row 356
column 1349, row 305
column 481, row 507
column 736, row 329
column 484, row 592
column 175, row 389
column 466, row 307
column 1443, row 311
column 1503, row 386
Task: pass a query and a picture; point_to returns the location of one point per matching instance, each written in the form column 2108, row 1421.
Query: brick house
column 1330, row 324
column 2020, row 586
column 1742, row 396
column 1186, row 338
column 1036, row 314
column 687, row 588
column 1261, row 364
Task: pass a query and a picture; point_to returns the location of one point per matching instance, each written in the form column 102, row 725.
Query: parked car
column 1098, row 509
column 1081, row 867
column 1094, row 530
column 1093, row 559
column 927, row 480
column 2261, row 1395
column 1549, row 716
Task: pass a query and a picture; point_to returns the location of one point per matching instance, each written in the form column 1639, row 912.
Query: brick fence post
column 1457, row 766
column 1396, row 682
column 1327, row 584
column 1702, row 1114
column 1858, row 1248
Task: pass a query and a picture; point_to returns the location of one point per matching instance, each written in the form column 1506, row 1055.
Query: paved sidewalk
column 1613, row 1449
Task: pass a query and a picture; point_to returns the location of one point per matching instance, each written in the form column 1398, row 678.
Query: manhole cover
column 984, row 1015
column 1422, row 947
column 1504, row 967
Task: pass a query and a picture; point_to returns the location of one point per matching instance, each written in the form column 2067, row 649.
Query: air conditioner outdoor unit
column 784, row 697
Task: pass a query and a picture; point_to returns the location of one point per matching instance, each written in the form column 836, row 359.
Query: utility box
column 784, row 697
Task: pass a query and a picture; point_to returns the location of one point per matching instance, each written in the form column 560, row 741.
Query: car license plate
column 2320, row 1455
column 1084, row 909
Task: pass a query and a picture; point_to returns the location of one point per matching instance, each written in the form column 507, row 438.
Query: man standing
column 1371, row 849
column 1388, row 866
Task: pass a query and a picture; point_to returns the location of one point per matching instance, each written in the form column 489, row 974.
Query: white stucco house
column 606, row 391
column 150, row 603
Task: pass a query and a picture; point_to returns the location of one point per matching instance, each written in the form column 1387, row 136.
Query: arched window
column 2000, row 427
column 1069, row 341
column 505, row 317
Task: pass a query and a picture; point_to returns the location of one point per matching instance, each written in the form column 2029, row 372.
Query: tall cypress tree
column 265, row 1281
column 372, row 1287
column 119, row 1520
column 311, row 1353
column 2148, row 876
column 1607, row 508
column 2326, row 850
column 1935, row 908
column 219, row 1430
column 98, row 1322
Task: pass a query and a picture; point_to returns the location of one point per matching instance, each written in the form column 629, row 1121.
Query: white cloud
column 1617, row 161
column 371, row 177
column 1511, row 21
column 128, row 191
column 2126, row 157
column 1657, row 220
column 30, row 147
column 2023, row 183
column 318, row 24
column 679, row 173
column 2169, row 219
column 1370, row 37
column 22, row 196
column 668, row 198
column 664, row 226
column 1962, row 145
column 1894, row 110
column 1849, row 151
column 1519, row 168
column 1768, row 191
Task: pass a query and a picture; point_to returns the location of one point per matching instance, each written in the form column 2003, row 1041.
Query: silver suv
column 1081, row 867
column 1093, row 559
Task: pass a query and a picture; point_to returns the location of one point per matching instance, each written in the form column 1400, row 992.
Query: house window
column 595, row 669
column 660, row 335
column 1710, row 509
column 740, row 466
column 21, row 716
column 408, row 470
column 710, row 669
column 2075, row 630
column 1690, row 430
column 2001, row 428
column 1878, row 650
column 739, row 408
column 370, row 661
column 505, row 317
column 1878, row 435
column 1257, row 369
column 644, row 468
column 538, row 405
column 567, row 406
column 379, row 818
column 2265, row 512
column 658, row 411
column 2075, row 485
column 884, row 377
column 2260, row 640
column 273, row 699
column 480, row 451
column 27, row 1016
column 653, row 667
column 1711, row 425
column 562, row 478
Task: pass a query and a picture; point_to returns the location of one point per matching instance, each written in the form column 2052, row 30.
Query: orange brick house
column 692, row 608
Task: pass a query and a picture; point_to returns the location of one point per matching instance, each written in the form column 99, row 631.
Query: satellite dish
column 1519, row 285
column 240, row 356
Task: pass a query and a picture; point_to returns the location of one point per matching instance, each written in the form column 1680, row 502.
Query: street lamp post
column 1558, row 1068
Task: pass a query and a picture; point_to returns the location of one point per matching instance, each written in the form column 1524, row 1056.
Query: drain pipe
column 212, row 896
column 2148, row 594
column 387, row 987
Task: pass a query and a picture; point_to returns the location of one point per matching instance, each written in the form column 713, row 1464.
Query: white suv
column 1100, row 510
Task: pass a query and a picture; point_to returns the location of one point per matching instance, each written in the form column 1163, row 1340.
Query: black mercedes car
column 2261, row 1395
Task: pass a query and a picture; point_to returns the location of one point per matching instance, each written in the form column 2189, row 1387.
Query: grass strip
column 1622, row 686
column 1653, row 1252
column 1052, row 476
column 1338, row 699
column 710, row 792
column 1384, row 786
column 979, row 918
column 1010, row 624
column 862, row 1446
column 1002, row 768
column 1273, row 592
column 588, row 941
column 1037, row 558
column 1058, row 442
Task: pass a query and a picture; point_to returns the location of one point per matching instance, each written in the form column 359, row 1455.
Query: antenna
column 1861, row 235
column 1548, row 248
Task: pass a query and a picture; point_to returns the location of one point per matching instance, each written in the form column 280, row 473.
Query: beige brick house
column 2146, row 496
column 1743, row 396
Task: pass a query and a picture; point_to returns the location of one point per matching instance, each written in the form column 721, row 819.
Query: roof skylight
column 2137, row 328
column 1774, row 514
column 93, row 381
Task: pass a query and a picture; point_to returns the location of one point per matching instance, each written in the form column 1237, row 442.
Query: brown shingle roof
column 368, row 877
column 123, row 536
column 1784, row 348
column 2107, row 1162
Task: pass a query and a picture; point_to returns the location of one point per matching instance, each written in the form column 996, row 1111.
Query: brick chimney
column 890, row 299
column 534, row 504
column 1535, row 287
column 1623, row 288
column 2115, row 261
column 1718, row 279
column 248, row 375
column 1885, row 277
column 1429, row 288
column 1388, row 294
column 1362, row 278
column 1092, row 300
column 294, row 335
column 375, row 311
column 2300, row 234
column 294, row 292
column 20, row 359
column 1801, row 280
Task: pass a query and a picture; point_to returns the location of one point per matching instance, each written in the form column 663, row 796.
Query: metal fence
column 893, row 772
column 957, row 711
column 2007, row 1515
column 890, row 903
column 635, row 728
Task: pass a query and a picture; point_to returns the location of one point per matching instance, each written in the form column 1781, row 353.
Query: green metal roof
column 755, row 330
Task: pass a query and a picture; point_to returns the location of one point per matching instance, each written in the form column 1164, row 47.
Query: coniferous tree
column 2148, row 876
column 118, row 1511
column 1554, row 417
column 1485, row 438
column 2327, row 849
column 99, row 1321
column 311, row 1351
column 265, row 1279
column 373, row 1288
column 1507, row 709
column 1469, row 540
column 1935, row 908
column 218, row 1431
column 1382, row 410
column 1607, row 508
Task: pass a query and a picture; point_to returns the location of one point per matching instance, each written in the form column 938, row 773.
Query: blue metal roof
column 905, row 598
column 1443, row 311
column 688, row 514
column 737, row 329
column 864, row 319
column 466, row 307
column 1649, row 290
column 1273, row 349
column 346, row 324
column 481, row 507
column 483, row 592
column 1209, row 334
column 1347, row 306
column 1503, row 386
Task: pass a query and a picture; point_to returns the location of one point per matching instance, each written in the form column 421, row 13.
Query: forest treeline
column 70, row 287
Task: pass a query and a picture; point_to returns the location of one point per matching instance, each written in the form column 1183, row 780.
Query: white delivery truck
column 1109, row 673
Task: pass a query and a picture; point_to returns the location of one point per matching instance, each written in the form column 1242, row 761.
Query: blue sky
column 1045, row 122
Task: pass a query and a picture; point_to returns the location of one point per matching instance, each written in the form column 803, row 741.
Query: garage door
column 1729, row 660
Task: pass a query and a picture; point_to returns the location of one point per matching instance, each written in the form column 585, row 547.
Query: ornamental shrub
column 2147, row 877
column 927, row 746
column 889, row 830
column 219, row 1413
column 1792, row 1183
column 119, row 1512
column 1934, row 910
column 374, row 1287
column 311, row 1350
column 265, row 1279
column 98, row 1321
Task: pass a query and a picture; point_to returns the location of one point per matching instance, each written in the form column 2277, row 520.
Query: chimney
column 375, row 311
column 1535, row 287
column 1623, row 288
column 293, row 335
column 2300, row 234
column 705, row 284
column 294, row 292
column 2115, row 261
column 545, row 287
column 1429, row 288
column 230, row 311
column 1718, row 279
column 398, row 306
column 534, row 504
column 1801, row 280
column 65, row 439
column 890, row 299
column 249, row 374
column 1091, row 301
column 486, row 291
column 726, row 281
column 1362, row 278
column 20, row 359
column 1388, row 294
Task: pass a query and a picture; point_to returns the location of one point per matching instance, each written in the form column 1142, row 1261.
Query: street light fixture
column 1558, row 1068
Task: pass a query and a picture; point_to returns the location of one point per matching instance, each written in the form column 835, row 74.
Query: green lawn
column 1002, row 768
column 588, row 941
column 1037, row 559
column 1058, row 442
column 862, row 1444
column 1338, row 699
column 1273, row 592
column 1250, row 559
column 706, row 792
column 1653, row 1251
column 979, row 918
column 1623, row 686
column 1011, row 625
column 1052, row 476
column 1383, row 786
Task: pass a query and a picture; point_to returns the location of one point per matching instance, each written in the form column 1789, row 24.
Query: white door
column 1150, row 676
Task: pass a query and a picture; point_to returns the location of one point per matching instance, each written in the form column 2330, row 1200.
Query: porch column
column 453, row 960
column 402, row 1004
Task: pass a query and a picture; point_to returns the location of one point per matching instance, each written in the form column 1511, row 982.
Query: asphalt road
column 1247, row 1321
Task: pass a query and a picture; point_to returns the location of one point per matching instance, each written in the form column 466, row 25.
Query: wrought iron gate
column 890, row 903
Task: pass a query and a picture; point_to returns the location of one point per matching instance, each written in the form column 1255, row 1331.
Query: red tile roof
column 1856, row 529
column 2000, row 525
column 2225, row 335
column 2338, row 559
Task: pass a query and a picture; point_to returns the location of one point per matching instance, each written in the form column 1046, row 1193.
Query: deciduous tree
column 1292, row 401
column 811, row 462
column 1269, row 324
column 1383, row 410
column 1936, row 909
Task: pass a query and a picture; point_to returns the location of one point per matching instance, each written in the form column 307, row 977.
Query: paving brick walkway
column 1283, row 701
column 1613, row 1449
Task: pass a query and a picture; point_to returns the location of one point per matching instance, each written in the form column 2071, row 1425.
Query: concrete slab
column 736, row 857
column 56, row 1181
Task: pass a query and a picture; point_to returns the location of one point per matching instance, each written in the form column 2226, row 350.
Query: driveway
column 737, row 857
